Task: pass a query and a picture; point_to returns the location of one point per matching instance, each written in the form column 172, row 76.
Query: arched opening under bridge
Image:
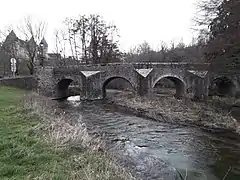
column 66, row 87
column 222, row 86
column 117, row 86
column 169, row 86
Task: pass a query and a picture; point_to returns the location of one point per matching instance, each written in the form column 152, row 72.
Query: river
column 156, row 150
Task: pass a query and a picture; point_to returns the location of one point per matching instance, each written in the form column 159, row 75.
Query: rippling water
column 154, row 150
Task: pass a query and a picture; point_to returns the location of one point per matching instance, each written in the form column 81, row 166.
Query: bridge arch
column 222, row 86
column 62, row 87
column 109, row 79
column 180, row 84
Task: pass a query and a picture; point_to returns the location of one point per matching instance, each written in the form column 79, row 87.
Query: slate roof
column 44, row 42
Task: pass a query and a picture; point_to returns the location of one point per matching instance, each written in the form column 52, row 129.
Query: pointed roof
column 44, row 42
column 32, row 41
column 12, row 34
column 11, row 37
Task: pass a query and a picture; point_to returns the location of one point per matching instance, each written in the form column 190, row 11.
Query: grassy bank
column 184, row 111
column 31, row 150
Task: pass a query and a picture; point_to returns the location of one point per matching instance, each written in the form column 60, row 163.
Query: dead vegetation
column 184, row 111
column 55, row 125
column 57, row 129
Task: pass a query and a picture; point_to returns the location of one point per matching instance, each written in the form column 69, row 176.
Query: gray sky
column 137, row 20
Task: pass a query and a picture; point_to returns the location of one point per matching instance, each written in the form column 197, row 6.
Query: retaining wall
column 26, row 82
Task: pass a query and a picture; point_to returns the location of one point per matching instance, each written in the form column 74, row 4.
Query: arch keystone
column 144, row 72
column 89, row 73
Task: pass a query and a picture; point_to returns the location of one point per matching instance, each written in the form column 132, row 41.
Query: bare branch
column 33, row 32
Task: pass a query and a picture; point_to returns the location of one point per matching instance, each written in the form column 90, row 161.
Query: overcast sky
column 137, row 20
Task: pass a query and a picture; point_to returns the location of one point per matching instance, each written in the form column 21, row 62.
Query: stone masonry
column 191, row 79
column 26, row 82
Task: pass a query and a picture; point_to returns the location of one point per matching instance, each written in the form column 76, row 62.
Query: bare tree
column 207, row 10
column 60, row 42
column 164, row 49
column 144, row 48
column 142, row 52
column 91, row 39
column 68, row 26
column 33, row 31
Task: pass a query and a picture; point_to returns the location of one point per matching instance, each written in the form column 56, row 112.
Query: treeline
column 90, row 39
column 219, row 27
column 177, row 52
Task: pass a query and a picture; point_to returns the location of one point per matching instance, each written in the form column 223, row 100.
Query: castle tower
column 44, row 46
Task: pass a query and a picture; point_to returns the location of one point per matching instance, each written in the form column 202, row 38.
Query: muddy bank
column 171, row 110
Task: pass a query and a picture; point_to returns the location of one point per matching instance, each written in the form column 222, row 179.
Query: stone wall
column 46, row 84
column 28, row 82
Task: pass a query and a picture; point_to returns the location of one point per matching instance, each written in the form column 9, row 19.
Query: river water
column 156, row 150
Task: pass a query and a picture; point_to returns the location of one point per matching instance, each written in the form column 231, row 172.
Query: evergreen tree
column 223, row 48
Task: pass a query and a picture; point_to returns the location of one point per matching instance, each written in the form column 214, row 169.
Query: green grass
column 10, row 97
column 24, row 156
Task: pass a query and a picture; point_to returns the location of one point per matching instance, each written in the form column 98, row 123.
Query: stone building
column 14, row 47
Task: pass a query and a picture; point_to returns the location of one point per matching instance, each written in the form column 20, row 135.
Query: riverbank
column 181, row 111
column 38, row 142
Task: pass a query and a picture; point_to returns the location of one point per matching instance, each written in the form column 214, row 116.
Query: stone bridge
column 91, row 80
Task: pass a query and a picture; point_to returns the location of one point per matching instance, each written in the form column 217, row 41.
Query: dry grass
column 56, row 128
column 184, row 111
column 55, row 125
